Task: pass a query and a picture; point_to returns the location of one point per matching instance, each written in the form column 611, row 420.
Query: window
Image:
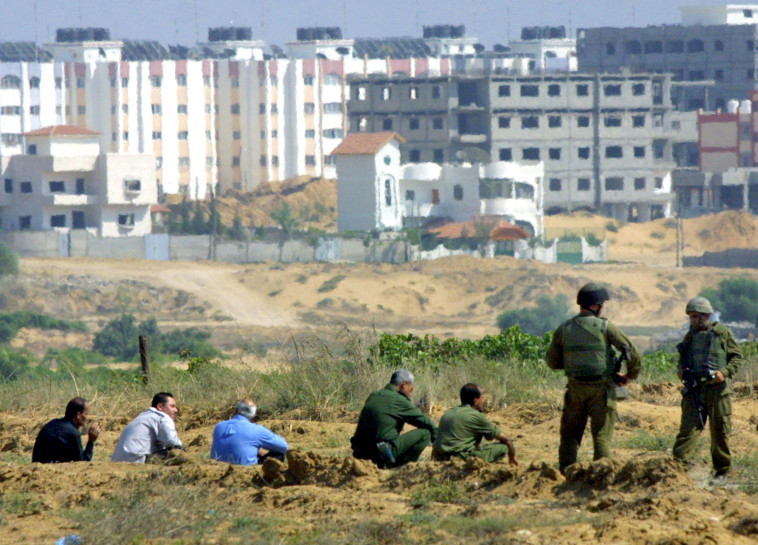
column 332, row 79
column 206, row 81
column 504, row 90
column 583, row 121
column 638, row 89
column 612, row 90
column 124, row 82
column 274, row 160
column 458, row 192
column 695, row 46
column 157, row 135
column 659, row 147
column 310, row 160
column 614, row 152
column 659, row 183
column 614, row 183
column 638, row 121
column 156, row 108
column 360, row 93
column 58, row 220
column 181, row 109
column 263, row 160
column 236, row 108
column 554, row 121
column 80, row 83
column 612, row 121
column 80, row 189
column 633, row 47
column 410, row 195
column 308, row 108
column 329, row 160
column 236, row 135
column 236, row 161
column 553, row 90
column 387, row 124
column 413, row 93
column 750, row 74
column 438, row 156
column 414, row 156
column 554, row 154
column 718, row 45
column 718, row 74
column 34, row 83
column 156, row 81
column 10, row 110
column 208, row 135
column 34, row 110
column 309, row 133
column 183, row 162
column 308, row 80
column 530, row 122
column 435, row 196
column 583, row 184
column 81, row 110
column 158, row 162
column 675, row 46
column 436, row 93
column 504, row 122
column 610, row 48
column 332, row 133
column 583, row 153
column 57, row 186
column 437, row 123
column 181, row 80
column 10, row 139
column 530, row 90
column 530, row 154
column 413, row 124
column 31, row 149
column 58, row 110
column 126, row 220
column 505, row 154
column 125, row 135
column 182, row 135
column 235, row 82
column 652, row 47
column 24, row 222
column 582, row 90
column 747, row 13
column 9, row 185
column 639, row 184
column 58, row 83
column 696, row 75
column 333, row 108
column 386, row 93
column 388, row 192
column 132, row 186
column 554, row 184
column 639, row 151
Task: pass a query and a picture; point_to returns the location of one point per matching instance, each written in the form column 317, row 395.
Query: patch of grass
column 657, row 235
column 274, row 293
column 22, row 504
column 302, row 279
column 437, row 492
column 745, row 472
column 331, row 284
column 325, row 303
column 644, row 440
column 612, row 227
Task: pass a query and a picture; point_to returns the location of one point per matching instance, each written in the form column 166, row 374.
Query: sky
column 186, row 22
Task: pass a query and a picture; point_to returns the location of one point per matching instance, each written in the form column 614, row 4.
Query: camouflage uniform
column 581, row 346
column 461, row 432
column 712, row 349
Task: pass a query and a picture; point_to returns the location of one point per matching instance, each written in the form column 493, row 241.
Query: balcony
column 69, row 199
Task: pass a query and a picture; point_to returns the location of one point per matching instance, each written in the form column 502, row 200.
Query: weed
column 644, row 440
column 302, row 279
column 328, row 302
column 612, row 227
column 657, row 235
column 274, row 293
column 437, row 492
column 331, row 284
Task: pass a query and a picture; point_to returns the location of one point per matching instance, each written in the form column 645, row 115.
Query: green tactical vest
column 704, row 351
column 586, row 351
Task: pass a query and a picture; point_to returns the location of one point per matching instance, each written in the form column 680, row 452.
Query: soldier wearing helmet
column 582, row 348
column 709, row 358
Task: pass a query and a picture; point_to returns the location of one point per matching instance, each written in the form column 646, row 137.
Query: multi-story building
column 65, row 181
column 603, row 139
column 712, row 54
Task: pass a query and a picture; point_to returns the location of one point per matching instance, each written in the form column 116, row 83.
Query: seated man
column 60, row 441
column 462, row 429
column 377, row 437
column 151, row 433
column 240, row 441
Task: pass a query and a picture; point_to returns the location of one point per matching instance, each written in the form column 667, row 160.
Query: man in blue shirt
column 240, row 441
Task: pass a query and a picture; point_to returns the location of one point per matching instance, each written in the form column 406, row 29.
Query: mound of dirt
column 646, row 472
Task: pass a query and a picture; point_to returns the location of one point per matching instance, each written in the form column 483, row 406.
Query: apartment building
column 604, row 139
column 712, row 54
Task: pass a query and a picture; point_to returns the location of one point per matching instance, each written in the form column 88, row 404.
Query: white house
column 64, row 182
column 376, row 191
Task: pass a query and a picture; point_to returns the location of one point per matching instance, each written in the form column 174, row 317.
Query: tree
column 546, row 316
column 736, row 299
column 199, row 225
column 287, row 221
column 8, row 260
column 238, row 231
column 118, row 338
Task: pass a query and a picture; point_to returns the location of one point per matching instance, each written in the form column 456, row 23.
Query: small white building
column 64, row 182
column 376, row 191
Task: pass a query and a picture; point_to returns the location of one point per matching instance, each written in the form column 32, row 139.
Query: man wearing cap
column 582, row 348
column 709, row 359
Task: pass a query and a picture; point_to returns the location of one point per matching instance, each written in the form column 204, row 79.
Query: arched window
column 10, row 82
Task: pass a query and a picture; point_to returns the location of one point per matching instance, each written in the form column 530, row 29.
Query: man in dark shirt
column 60, row 441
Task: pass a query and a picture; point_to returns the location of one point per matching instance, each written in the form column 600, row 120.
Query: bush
column 8, row 260
column 546, row 316
column 118, row 338
column 612, row 227
column 735, row 298
column 14, row 363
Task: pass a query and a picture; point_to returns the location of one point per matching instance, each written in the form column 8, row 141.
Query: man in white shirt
column 152, row 432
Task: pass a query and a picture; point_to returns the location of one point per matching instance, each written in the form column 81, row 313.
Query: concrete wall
column 746, row 258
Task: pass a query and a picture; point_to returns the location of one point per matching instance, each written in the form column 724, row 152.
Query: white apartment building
column 376, row 191
column 64, row 181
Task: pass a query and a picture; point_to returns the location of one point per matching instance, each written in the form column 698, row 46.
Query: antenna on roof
column 197, row 29
column 344, row 16
column 36, row 34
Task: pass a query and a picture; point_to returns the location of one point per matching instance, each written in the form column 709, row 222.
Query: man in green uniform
column 377, row 436
column 582, row 347
column 462, row 429
column 709, row 358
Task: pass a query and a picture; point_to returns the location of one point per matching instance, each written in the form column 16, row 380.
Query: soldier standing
column 709, row 358
column 582, row 347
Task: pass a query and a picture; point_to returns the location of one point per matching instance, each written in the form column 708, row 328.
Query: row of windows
column 438, row 156
column 414, row 124
column 386, row 92
column 654, row 47
column 13, row 82
column 16, row 110
column 582, row 121
column 581, row 89
column 555, row 154
column 611, row 183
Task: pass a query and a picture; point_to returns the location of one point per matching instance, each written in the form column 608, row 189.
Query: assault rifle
column 618, row 379
column 693, row 384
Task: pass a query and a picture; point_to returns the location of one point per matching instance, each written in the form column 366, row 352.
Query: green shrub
column 736, row 299
column 118, row 338
column 331, row 284
column 612, row 227
column 14, row 363
column 546, row 316
column 592, row 239
column 657, row 235
column 8, row 260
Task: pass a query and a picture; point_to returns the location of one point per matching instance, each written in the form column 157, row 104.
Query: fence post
column 144, row 356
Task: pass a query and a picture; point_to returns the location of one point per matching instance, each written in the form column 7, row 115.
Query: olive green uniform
column 382, row 419
column 712, row 349
column 581, row 346
column 460, row 434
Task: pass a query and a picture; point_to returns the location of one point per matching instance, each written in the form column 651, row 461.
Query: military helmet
column 699, row 304
column 592, row 294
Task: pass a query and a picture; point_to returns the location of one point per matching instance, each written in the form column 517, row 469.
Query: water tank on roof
column 82, row 34
column 731, row 106
column 229, row 34
column 444, row 31
column 746, row 107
